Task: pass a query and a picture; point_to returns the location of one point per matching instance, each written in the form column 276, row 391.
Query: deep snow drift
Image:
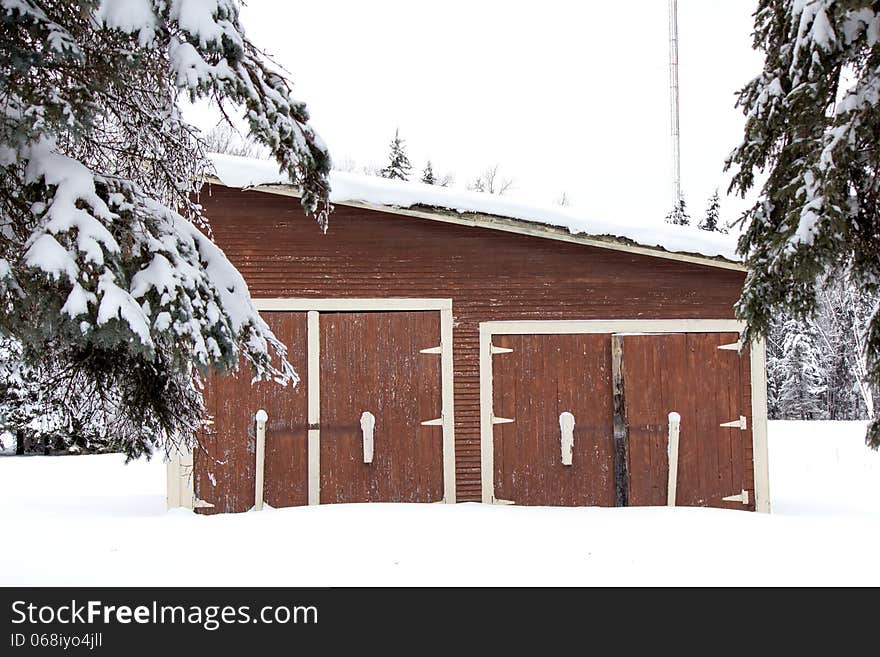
column 91, row 520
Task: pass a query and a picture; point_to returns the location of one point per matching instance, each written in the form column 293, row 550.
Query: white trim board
column 352, row 305
column 313, row 307
column 508, row 225
column 761, row 466
column 313, row 382
column 563, row 327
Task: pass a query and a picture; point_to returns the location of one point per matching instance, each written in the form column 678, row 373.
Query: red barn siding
column 489, row 275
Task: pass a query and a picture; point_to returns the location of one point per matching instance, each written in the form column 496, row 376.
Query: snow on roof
column 242, row 172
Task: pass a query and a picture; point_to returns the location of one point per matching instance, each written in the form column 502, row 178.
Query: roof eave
column 512, row 225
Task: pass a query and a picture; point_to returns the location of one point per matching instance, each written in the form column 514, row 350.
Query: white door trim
column 313, row 381
column 758, row 356
column 180, row 477
column 352, row 305
column 551, row 327
column 562, row 327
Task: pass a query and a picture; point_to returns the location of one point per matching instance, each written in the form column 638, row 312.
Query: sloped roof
column 459, row 206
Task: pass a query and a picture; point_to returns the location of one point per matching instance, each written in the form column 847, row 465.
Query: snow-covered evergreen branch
column 102, row 266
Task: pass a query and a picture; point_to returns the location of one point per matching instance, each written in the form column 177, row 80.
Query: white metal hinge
column 499, row 350
column 742, row 423
column 742, row 497
column 436, row 422
column 496, row 500
column 432, row 350
column 733, row 346
column 202, row 504
column 501, row 420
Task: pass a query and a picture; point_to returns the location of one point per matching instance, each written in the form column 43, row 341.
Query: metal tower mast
column 673, row 101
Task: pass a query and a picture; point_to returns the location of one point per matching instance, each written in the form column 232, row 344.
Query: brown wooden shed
column 458, row 347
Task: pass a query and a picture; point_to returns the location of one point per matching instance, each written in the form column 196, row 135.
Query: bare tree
column 227, row 140
column 371, row 169
column 490, row 182
column 346, row 164
column 447, row 180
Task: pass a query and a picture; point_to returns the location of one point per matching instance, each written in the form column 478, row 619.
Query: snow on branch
column 170, row 276
column 106, row 261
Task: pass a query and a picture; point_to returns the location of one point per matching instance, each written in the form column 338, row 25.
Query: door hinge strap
column 742, row 497
column 501, row 420
column 432, row 350
column 436, row 422
column 741, row 423
column 499, row 350
column 733, row 346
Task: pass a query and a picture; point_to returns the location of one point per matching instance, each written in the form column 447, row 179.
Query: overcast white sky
column 566, row 96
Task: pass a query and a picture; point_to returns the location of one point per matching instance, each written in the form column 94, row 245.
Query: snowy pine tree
column 803, row 384
column 835, row 337
column 712, row 220
column 840, row 326
column 35, row 406
column 398, row 166
column 105, row 281
column 812, row 122
column 428, row 175
column 678, row 215
column 775, row 370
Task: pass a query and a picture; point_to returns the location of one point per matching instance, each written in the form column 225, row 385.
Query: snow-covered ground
column 91, row 520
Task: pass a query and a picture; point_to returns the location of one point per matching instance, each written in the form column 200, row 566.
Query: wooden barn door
column 371, row 363
column 541, row 383
column 224, row 460
column 686, row 373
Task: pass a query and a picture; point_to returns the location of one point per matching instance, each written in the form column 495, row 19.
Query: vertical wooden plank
column 621, row 439
column 568, row 351
column 688, row 381
column 371, row 362
column 703, row 384
column 423, row 407
column 286, row 464
column 657, row 363
column 374, row 477
column 700, row 436
column 224, row 461
column 599, row 423
column 730, row 446
column 639, row 385
column 544, row 435
column 504, row 405
column 544, row 376
column 669, row 403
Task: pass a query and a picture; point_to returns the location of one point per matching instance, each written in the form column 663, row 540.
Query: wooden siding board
column 490, row 275
column 703, row 384
column 371, row 362
column 224, row 458
column 544, row 376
